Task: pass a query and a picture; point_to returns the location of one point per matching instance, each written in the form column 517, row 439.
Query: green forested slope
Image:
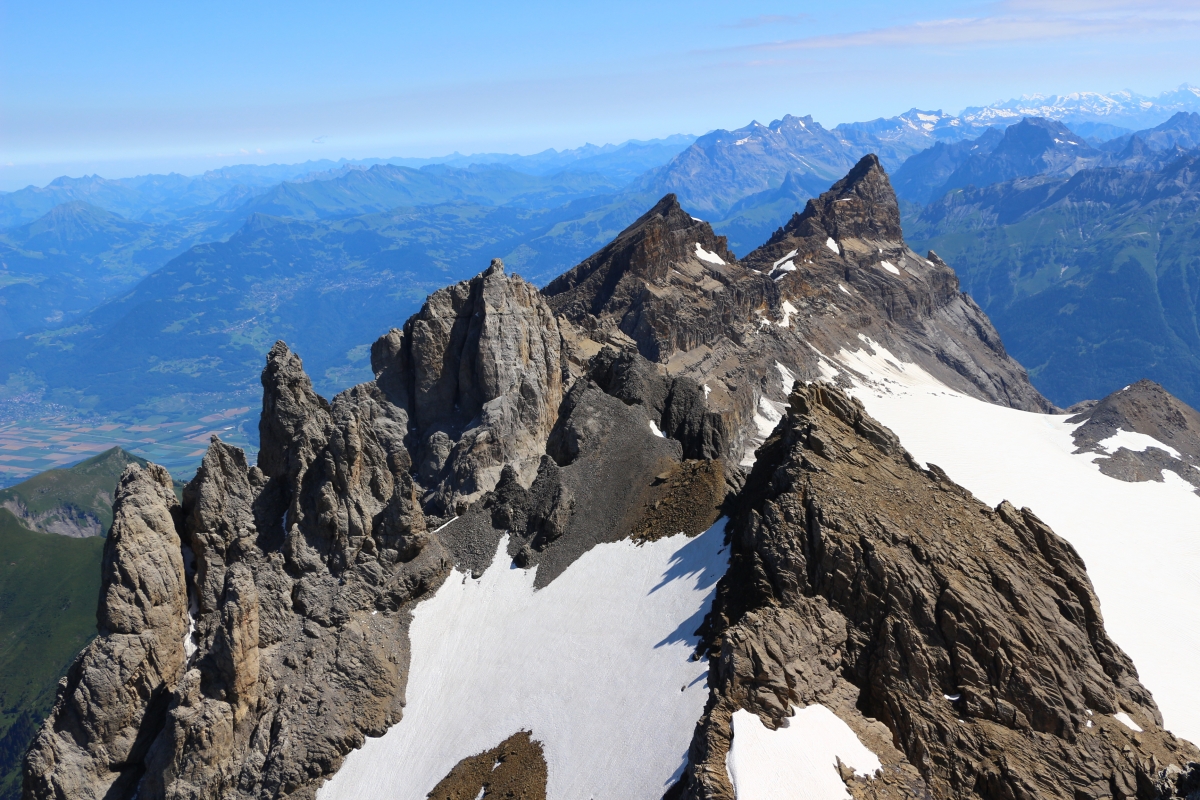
column 1093, row 281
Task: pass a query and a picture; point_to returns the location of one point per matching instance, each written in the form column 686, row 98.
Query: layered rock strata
column 887, row 592
column 256, row 633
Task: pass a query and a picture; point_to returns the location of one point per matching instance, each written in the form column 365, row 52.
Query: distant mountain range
column 174, row 285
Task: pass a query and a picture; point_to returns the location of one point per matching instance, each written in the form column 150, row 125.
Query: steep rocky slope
column 253, row 636
column 840, row 270
column 863, row 582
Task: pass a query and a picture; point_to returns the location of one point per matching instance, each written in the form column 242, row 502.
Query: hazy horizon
column 141, row 87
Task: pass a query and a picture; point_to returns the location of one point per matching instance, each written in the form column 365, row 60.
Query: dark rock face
column 1147, row 408
column 972, row 633
column 732, row 327
column 305, row 568
column 642, row 285
column 478, row 373
column 675, row 405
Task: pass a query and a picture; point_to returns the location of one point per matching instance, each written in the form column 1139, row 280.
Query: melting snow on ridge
column 1124, row 719
column 1137, row 442
column 786, row 377
column 844, row 289
column 704, row 255
column 832, row 245
column 788, row 310
column 789, row 256
column 1140, row 541
column 592, row 665
column 890, row 267
column 766, row 417
column 798, row 761
column 654, row 429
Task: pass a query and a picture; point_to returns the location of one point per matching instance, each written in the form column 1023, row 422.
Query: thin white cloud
column 1009, row 29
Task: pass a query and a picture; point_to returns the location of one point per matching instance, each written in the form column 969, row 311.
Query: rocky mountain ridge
column 255, row 634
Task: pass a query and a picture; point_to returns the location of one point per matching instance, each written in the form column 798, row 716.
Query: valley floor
column 33, row 443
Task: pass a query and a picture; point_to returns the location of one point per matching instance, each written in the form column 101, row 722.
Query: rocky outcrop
column 478, row 373
column 305, row 568
column 837, row 277
column 667, row 282
column 1142, row 408
column 255, row 634
column 515, row 769
column 115, row 695
column 887, row 592
column 847, row 271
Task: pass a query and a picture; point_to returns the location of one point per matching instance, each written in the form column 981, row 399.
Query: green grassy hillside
column 75, row 501
column 49, row 585
column 48, row 590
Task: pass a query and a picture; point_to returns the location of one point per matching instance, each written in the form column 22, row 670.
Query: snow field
column 1140, row 541
column 1137, row 442
column 596, row 666
column 799, row 760
column 705, row 255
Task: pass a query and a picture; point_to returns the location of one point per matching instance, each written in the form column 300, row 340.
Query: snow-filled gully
column 597, row 666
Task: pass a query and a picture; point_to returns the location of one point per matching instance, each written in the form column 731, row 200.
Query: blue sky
column 129, row 87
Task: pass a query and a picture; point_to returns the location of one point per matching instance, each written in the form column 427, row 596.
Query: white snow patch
column 785, row 258
column 743, row 141
column 799, row 760
column 654, row 429
column 766, row 417
column 788, row 266
column 1137, row 442
column 707, row 391
column 832, row 245
column 704, row 255
column 788, row 310
column 1148, row 591
column 889, row 267
column 189, row 572
column 953, row 698
column 444, row 524
column 1124, row 719
column 610, row 637
column 844, row 289
column 697, row 219
column 786, row 377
